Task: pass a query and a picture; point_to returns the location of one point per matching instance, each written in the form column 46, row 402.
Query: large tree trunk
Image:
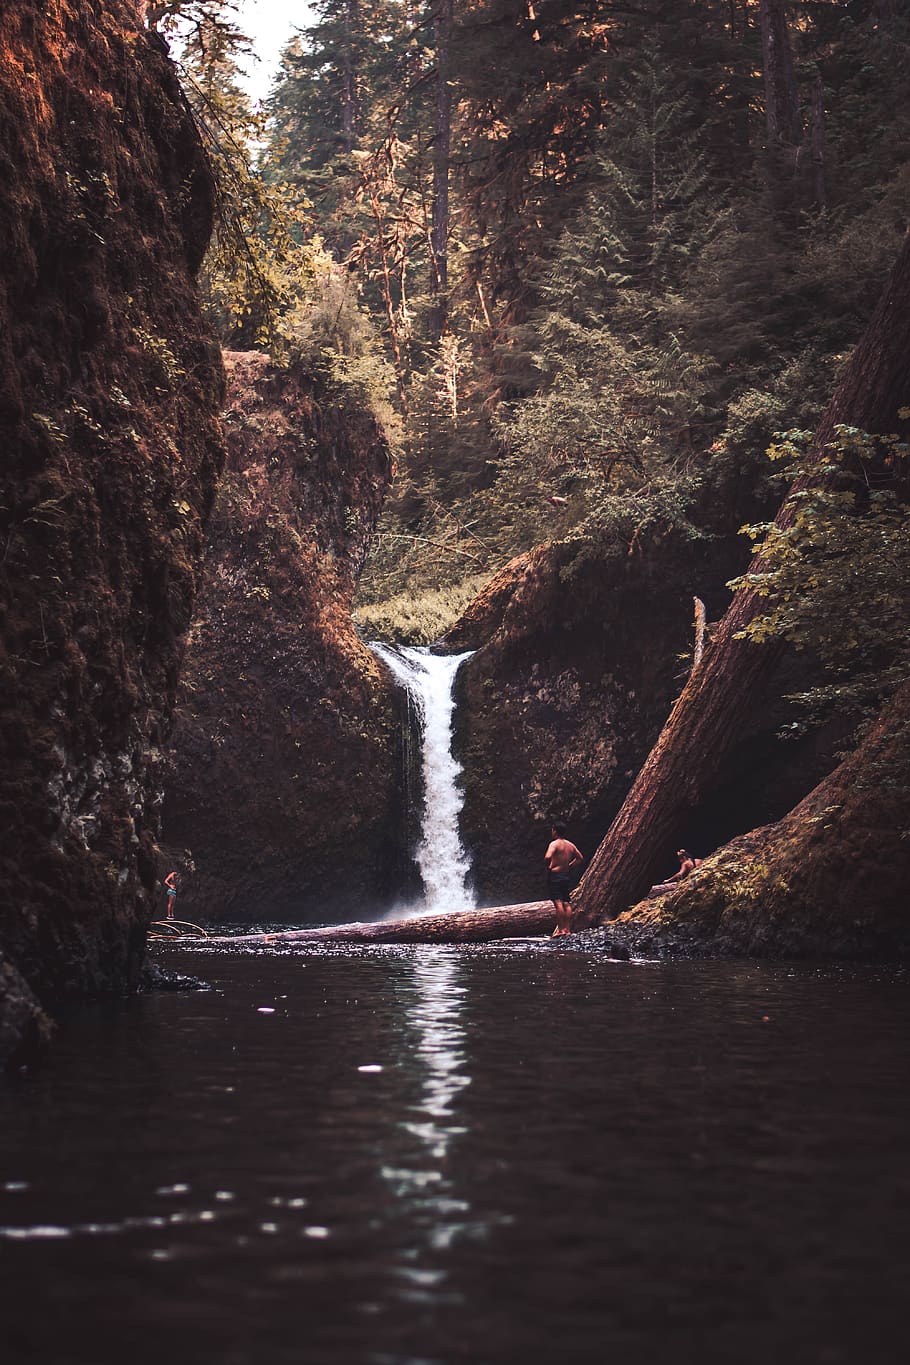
column 781, row 99
column 350, row 112
column 462, row 926
column 688, row 757
column 439, row 235
column 819, row 187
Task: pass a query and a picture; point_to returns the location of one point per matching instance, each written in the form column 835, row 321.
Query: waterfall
column 444, row 865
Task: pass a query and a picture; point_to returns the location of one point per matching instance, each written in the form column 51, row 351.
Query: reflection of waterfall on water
column 436, row 1018
column 443, row 863
column 425, row 1183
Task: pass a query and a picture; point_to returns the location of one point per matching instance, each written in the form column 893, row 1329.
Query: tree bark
column 688, row 757
column 350, row 115
column 701, row 626
column 819, row 189
column 442, row 143
column 463, row 926
column 781, row 100
column 383, row 250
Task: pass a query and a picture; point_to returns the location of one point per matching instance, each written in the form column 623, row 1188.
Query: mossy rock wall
column 109, row 393
column 287, row 778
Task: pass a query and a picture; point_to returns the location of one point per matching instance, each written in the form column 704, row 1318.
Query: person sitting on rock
column 561, row 856
column 687, row 864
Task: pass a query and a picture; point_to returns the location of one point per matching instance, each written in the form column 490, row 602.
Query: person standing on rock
column 561, row 856
column 170, row 882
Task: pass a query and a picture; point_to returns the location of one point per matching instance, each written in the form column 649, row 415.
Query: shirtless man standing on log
column 561, row 856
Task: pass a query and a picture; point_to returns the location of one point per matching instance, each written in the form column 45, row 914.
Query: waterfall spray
column 444, row 865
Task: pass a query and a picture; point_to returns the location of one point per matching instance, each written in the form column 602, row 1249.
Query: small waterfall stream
column 444, row 865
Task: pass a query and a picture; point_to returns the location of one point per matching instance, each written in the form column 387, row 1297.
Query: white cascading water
column 444, row 865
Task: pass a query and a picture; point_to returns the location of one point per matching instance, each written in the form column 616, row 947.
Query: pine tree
column 336, row 79
column 618, row 388
column 623, row 299
column 256, row 260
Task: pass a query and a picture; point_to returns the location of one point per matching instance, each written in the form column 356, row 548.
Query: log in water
column 463, row 926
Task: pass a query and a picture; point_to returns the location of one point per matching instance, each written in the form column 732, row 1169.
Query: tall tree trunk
column 442, row 144
column 819, row 191
column 349, row 76
column 383, row 250
column 781, row 100
column 689, row 755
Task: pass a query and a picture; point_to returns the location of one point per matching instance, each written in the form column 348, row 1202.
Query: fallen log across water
column 462, row 926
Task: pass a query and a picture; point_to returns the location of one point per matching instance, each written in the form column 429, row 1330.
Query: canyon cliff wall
column 286, row 782
column 109, row 390
column 581, row 651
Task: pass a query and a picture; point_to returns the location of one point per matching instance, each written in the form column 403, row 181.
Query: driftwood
column 462, row 926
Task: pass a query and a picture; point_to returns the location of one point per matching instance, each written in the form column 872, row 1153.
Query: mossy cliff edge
column 286, row 783
column 109, row 394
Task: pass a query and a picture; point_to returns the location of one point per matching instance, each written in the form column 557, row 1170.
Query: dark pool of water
column 561, row 1159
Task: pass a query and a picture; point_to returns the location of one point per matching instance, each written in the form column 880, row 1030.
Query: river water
column 513, row 1153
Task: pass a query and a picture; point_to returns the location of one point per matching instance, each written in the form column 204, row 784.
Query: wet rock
column 287, row 758
column 158, row 978
column 25, row 1028
column 581, row 651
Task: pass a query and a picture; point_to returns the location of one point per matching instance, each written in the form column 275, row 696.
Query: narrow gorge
column 432, row 429
column 229, row 721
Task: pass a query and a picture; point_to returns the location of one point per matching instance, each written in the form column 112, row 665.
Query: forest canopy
column 586, row 259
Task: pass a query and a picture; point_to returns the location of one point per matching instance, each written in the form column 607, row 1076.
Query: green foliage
column 620, row 395
column 836, row 574
column 256, row 264
column 333, row 76
column 417, row 618
column 636, row 300
column 328, row 331
column 267, row 281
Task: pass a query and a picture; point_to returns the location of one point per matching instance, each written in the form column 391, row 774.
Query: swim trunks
column 559, row 885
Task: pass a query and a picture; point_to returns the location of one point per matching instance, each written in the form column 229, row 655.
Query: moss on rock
column 286, row 760
column 110, row 460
